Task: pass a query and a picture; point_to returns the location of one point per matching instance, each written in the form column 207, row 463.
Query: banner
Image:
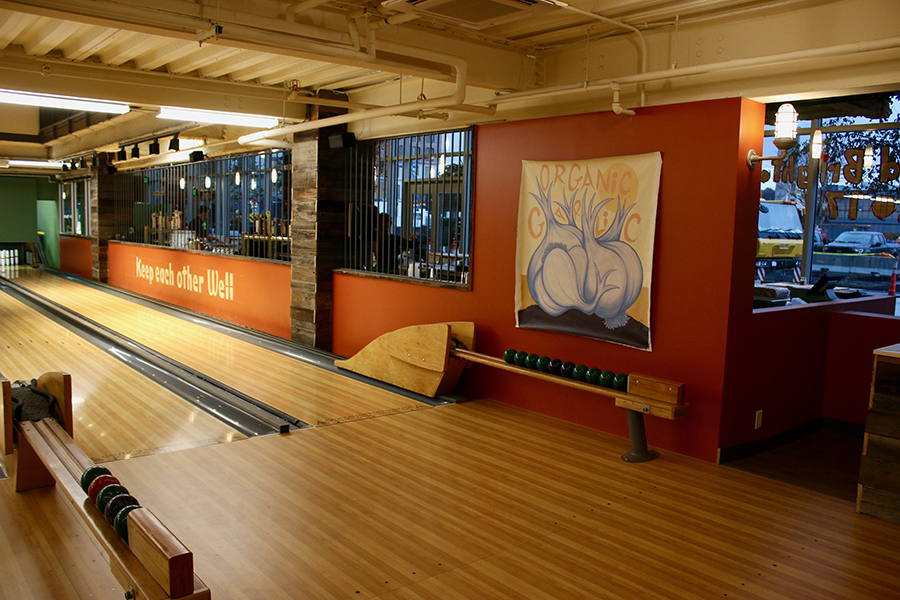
column 585, row 247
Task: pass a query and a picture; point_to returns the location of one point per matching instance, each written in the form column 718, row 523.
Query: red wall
column 704, row 180
column 848, row 373
column 75, row 255
column 256, row 294
column 786, row 361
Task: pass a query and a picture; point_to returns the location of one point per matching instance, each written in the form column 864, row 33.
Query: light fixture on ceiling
column 64, row 102
column 135, row 152
column 785, row 135
column 82, row 164
column 41, row 164
column 218, row 118
column 174, row 145
column 154, row 147
column 121, row 154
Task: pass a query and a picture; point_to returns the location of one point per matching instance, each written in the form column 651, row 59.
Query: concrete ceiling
column 291, row 60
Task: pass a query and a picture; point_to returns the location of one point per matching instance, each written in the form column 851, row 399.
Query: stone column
column 102, row 216
column 317, row 233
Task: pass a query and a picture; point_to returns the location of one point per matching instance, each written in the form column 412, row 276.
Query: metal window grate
column 409, row 207
column 246, row 200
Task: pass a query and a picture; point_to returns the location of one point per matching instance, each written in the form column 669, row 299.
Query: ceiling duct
column 473, row 14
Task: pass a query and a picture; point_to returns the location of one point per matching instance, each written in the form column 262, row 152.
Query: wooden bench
column 429, row 359
column 154, row 565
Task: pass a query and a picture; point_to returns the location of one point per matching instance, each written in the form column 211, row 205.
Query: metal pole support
column 638, row 435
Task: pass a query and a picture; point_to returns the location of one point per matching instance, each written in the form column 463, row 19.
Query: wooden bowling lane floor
column 313, row 395
column 483, row 501
column 119, row 413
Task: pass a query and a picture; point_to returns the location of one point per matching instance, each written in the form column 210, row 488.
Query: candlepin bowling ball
column 90, row 474
column 531, row 360
column 121, row 522
column 107, row 494
column 510, row 356
column 567, row 369
column 543, row 364
column 116, row 504
column 606, row 378
column 580, row 372
column 98, row 484
column 620, row 382
column 592, row 375
column 521, row 355
column 554, row 366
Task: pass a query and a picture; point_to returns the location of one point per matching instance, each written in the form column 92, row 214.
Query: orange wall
column 252, row 293
column 75, row 255
column 704, row 183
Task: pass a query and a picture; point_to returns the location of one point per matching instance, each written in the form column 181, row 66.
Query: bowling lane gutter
column 244, row 413
column 314, row 356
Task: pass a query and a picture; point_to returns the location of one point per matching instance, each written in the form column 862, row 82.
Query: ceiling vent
column 473, row 14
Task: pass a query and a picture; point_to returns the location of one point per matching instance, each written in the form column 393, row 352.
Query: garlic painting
column 585, row 247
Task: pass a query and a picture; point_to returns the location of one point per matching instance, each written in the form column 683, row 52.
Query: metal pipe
column 457, row 97
column 293, row 10
column 741, row 63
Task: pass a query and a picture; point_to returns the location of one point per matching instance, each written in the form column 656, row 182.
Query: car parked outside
column 862, row 242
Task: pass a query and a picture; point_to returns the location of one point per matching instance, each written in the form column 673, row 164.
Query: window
column 409, row 207
column 853, row 192
column 231, row 205
column 74, row 207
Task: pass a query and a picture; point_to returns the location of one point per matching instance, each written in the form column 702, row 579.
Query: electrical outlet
column 758, row 422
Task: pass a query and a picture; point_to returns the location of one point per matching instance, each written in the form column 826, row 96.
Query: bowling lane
column 119, row 413
column 311, row 394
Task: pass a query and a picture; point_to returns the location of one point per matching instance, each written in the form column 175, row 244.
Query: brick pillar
column 317, row 233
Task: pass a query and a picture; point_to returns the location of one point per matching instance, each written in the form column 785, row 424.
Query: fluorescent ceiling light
column 97, row 106
column 219, row 118
column 35, row 163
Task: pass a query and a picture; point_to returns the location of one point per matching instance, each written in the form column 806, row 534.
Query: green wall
column 18, row 206
column 48, row 222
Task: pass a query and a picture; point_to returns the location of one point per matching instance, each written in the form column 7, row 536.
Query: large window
column 232, row 205
column 409, row 207
column 852, row 194
column 74, row 207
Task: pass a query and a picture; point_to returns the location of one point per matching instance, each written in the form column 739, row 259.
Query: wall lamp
column 785, row 135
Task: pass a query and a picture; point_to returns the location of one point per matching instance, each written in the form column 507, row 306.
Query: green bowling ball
column 90, row 474
column 510, row 356
column 521, row 355
column 543, row 364
column 620, row 382
column 606, row 378
column 592, row 375
column 120, row 523
column 579, row 372
column 107, row 494
column 531, row 361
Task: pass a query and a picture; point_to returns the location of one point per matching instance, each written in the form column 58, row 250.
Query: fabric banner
column 585, row 247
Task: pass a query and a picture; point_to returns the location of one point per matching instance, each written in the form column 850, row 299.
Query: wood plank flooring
column 119, row 413
column 476, row 501
column 308, row 393
column 489, row 502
